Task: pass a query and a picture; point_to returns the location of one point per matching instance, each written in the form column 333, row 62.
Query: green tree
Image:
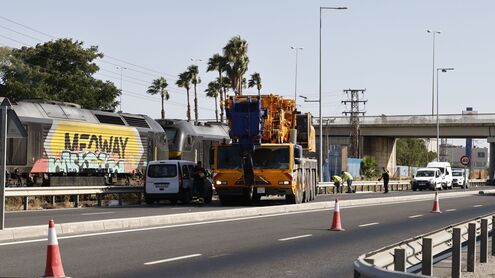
column 369, row 168
column 236, row 51
column 214, row 90
column 413, row 152
column 56, row 70
column 255, row 81
column 219, row 63
column 159, row 86
column 195, row 80
column 184, row 81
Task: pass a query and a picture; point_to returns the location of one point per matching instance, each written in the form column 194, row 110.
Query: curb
column 63, row 229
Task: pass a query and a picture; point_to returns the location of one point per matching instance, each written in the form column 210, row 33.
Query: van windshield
column 162, row 171
column 442, row 169
column 425, row 174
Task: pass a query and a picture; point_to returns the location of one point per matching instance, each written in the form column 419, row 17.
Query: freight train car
column 189, row 141
column 67, row 145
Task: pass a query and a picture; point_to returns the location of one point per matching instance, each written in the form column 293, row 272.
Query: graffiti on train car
column 72, row 147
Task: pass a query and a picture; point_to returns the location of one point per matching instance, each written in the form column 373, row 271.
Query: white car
column 459, row 178
column 427, row 178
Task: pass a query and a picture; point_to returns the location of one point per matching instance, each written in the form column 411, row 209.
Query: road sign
column 465, row 160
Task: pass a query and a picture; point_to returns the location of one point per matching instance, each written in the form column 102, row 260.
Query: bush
column 369, row 168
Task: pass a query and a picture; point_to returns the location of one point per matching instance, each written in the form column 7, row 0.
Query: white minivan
column 446, row 171
column 427, row 178
column 171, row 180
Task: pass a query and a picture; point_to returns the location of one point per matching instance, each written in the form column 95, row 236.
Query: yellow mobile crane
column 269, row 153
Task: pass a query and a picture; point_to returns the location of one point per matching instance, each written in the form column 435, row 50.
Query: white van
column 427, row 178
column 446, row 172
column 171, row 180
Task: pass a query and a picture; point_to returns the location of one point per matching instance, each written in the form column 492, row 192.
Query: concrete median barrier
column 64, row 229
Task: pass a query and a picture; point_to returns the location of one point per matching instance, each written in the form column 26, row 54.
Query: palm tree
column 255, row 81
column 195, row 80
column 158, row 86
column 224, row 85
column 219, row 63
column 184, row 81
column 214, row 89
column 236, row 53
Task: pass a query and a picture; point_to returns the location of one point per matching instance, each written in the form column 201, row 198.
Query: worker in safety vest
column 347, row 177
column 337, row 182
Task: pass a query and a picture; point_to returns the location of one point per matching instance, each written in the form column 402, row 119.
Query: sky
column 381, row 46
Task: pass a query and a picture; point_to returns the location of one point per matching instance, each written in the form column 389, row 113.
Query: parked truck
column 270, row 154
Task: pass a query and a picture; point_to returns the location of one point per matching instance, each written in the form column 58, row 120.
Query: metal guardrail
column 420, row 253
column 27, row 192
column 69, row 190
column 376, row 186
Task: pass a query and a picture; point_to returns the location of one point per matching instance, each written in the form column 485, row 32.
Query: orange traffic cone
column 436, row 204
column 54, row 266
column 336, row 225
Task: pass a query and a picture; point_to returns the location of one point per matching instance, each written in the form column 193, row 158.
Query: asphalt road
column 40, row 217
column 288, row 245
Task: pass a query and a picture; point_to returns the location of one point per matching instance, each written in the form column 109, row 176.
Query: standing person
column 346, row 176
column 385, row 176
column 199, row 183
column 337, row 182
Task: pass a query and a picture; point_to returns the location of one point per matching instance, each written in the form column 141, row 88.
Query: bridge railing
column 410, row 119
column 418, row 254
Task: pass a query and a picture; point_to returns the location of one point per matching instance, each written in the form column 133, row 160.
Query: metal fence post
column 471, row 255
column 53, row 200
column 427, row 257
column 98, row 197
column 484, row 241
column 399, row 259
column 26, row 202
column 76, row 201
column 493, row 235
column 120, row 199
column 456, row 253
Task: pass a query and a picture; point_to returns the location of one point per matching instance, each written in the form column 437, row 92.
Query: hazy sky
column 378, row 45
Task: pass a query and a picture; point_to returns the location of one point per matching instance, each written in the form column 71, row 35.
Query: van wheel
column 186, row 197
column 148, row 200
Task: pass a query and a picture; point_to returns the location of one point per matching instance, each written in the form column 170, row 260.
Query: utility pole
column 355, row 99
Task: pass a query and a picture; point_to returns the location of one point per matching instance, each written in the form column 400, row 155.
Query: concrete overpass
column 378, row 133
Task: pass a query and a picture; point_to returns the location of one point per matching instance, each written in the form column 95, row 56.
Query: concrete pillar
column 491, row 161
column 382, row 149
column 471, row 253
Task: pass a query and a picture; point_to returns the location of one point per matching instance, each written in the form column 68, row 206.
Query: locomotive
column 194, row 142
column 68, row 145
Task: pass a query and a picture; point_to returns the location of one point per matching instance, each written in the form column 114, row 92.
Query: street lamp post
column 120, row 96
column 295, row 78
column 319, row 89
column 433, row 33
column 438, row 123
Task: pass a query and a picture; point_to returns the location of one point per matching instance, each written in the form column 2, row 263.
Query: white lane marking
column 451, row 210
column 219, row 255
column 415, row 216
column 477, row 206
column 98, row 213
column 369, row 224
column 173, row 259
column 294, row 237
